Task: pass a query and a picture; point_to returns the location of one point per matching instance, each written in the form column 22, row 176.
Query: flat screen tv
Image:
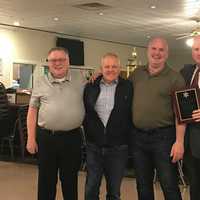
column 75, row 48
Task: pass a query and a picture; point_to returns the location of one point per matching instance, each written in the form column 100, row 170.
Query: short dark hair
column 58, row 49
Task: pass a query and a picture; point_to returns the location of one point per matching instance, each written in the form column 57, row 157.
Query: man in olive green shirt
column 158, row 138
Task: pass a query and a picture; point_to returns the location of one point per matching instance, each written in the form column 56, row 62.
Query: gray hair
column 110, row 54
column 58, row 49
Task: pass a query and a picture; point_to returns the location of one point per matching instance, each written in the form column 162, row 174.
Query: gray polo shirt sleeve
column 35, row 96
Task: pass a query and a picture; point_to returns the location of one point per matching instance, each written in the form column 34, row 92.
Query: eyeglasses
column 60, row 60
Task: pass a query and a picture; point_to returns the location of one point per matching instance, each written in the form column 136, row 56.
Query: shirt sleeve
column 35, row 96
column 179, row 82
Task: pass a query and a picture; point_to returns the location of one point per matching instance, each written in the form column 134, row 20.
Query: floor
column 19, row 182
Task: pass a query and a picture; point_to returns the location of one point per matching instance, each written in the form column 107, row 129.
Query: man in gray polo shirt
column 56, row 110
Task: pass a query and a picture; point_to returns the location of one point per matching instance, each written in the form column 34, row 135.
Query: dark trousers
column 109, row 162
column 151, row 150
column 6, row 127
column 58, row 152
column 192, row 165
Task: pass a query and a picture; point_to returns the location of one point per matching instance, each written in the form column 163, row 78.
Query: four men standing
column 56, row 111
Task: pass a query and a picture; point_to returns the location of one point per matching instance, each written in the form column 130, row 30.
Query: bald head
column 160, row 40
column 196, row 39
column 157, row 53
column 196, row 49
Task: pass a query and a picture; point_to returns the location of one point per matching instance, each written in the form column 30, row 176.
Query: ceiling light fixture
column 153, row 7
column 55, row 19
column 191, row 7
column 16, row 23
column 100, row 13
column 189, row 42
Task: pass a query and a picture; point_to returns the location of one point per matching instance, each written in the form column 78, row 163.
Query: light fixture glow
column 55, row 19
column 134, row 53
column 192, row 7
column 16, row 23
column 101, row 13
column 153, row 7
column 6, row 46
column 189, row 42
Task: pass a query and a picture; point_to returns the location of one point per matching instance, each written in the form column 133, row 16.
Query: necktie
column 196, row 79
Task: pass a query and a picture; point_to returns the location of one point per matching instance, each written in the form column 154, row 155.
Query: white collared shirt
column 194, row 74
column 106, row 100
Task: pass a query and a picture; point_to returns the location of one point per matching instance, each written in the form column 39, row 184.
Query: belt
column 53, row 132
column 154, row 130
column 106, row 146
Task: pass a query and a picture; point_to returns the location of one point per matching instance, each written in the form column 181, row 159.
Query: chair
column 7, row 134
column 83, row 150
column 180, row 173
column 10, row 140
column 22, row 127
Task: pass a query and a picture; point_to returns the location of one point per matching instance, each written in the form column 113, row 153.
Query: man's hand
column 177, row 151
column 196, row 115
column 32, row 146
column 95, row 75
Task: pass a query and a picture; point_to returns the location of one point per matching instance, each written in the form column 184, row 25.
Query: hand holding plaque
column 186, row 101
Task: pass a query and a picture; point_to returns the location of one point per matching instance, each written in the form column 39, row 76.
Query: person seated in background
column 107, row 125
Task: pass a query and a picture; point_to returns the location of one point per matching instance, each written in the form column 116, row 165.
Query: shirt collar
column 114, row 82
column 54, row 80
column 163, row 71
column 197, row 66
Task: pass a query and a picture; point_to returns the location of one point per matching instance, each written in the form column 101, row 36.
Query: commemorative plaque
column 186, row 101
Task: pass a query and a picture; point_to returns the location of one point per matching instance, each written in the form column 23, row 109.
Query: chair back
column 83, row 150
column 4, row 108
column 4, row 112
column 22, row 125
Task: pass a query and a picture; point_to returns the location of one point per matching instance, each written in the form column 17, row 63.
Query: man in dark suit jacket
column 192, row 139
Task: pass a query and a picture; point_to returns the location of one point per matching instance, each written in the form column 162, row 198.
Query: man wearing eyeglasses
column 56, row 111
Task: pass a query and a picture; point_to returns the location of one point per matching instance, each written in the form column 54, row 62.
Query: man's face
column 196, row 50
column 58, row 63
column 157, row 53
column 110, row 69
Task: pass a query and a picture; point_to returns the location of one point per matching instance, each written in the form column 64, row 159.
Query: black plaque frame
column 186, row 101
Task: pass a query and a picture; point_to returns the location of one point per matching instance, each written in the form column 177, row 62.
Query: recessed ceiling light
column 148, row 36
column 101, row 13
column 189, row 42
column 16, row 23
column 55, row 19
column 153, row 7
